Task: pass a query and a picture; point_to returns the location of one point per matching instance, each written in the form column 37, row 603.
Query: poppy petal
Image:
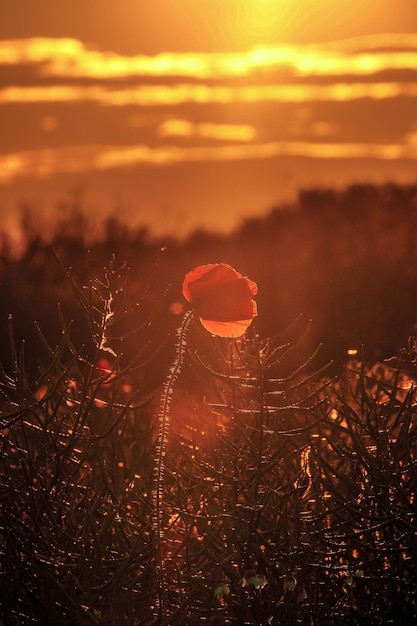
column 226, row 301
column 222, row 298
column 226, row 329
column 204, row 277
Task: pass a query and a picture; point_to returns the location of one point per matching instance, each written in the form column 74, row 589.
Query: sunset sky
column 185, row 114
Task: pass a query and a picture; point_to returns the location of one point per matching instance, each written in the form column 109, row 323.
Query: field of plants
column 164, row 463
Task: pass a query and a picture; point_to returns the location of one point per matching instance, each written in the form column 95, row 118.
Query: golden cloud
column 70, row 58
column 174, row 95
column 44, row 163
column 222, row 132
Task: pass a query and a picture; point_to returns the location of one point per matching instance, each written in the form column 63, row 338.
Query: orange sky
column 198, row 113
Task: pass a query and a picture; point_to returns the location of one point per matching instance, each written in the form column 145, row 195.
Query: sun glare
column 259, row 22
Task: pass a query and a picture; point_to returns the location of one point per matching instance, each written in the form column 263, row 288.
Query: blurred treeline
column 347, row 260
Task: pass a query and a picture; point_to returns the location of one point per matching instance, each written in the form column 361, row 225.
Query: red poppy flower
column 222, row 298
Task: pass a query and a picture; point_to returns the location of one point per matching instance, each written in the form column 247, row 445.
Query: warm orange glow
column 71, row 58
column 176, row 128
column 45, row 163
column 225, row 132
column 149, row 95
column 49, row 123
column 59, row 93
column 38, row 50
column 208, row 106
column 159, row 95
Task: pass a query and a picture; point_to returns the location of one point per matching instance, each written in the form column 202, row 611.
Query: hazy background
column 200, row 113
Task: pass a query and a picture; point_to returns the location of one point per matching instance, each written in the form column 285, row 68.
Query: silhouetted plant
column 363, row 511
column 281, row 496
column 75, row 473
column 234, row 483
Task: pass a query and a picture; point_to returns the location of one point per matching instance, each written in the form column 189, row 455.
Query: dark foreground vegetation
column 289, row 485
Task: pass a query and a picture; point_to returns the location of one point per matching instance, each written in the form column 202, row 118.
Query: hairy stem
column 161, row 449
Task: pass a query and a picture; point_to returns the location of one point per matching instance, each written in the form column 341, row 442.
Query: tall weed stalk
column 159, row 468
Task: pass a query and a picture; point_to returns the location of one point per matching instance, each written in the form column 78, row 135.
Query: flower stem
column 159, row 469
